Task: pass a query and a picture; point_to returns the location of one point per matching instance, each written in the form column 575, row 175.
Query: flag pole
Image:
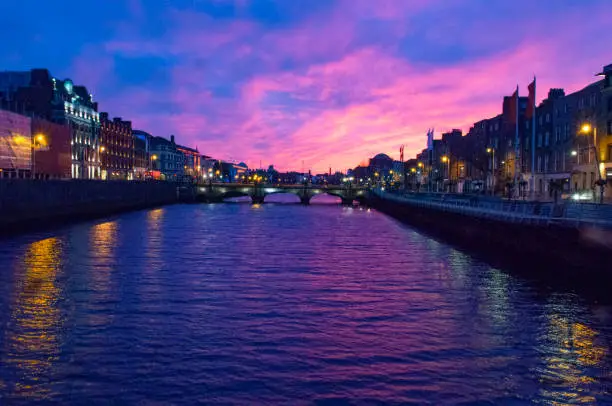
column 516, row 143
column 533, row 138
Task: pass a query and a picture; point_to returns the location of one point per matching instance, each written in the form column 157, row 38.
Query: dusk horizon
column 308, row 85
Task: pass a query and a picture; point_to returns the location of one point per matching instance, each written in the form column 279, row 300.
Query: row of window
column 544, row 163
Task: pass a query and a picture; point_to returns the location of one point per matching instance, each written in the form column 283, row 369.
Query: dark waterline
column 232, row 303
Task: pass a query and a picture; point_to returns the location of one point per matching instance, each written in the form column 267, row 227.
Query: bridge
column 216, row 192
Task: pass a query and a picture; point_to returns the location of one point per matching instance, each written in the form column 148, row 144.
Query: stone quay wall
column 570, row 253
column 36, row 203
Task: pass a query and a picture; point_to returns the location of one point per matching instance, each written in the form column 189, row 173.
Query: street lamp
column 37, row 142
column 446, row 161
column 586, row 128
column 492, row 152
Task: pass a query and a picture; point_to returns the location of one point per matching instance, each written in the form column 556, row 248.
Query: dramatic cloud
column 326, row 83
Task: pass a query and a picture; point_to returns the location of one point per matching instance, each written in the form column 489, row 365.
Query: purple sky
column 329, row 83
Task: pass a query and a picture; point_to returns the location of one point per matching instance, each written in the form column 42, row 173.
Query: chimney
column 172, row 139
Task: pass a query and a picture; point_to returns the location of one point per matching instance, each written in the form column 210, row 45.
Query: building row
column 52, row 128
column 565, row 147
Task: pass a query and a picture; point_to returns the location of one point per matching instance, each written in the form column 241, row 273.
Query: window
column 610, row 104
column 539, row 163
column 567, row 131
column 540, row 120
column 546, row 163
column 565, row 108
column 540, row 140
column 527, row 124
column 547, row 138
column 557, row 134
column 548, row 117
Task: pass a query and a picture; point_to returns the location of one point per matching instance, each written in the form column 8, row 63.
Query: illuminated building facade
column 15, row 145
column 37, row 93
column 116, row 148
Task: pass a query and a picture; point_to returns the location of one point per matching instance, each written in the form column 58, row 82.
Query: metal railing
column 526, row 212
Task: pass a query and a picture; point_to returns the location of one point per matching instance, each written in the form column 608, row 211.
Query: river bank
column 35, row 204
column 563, row 255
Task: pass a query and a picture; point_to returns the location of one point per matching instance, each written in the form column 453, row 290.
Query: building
column 116, row 148
column 15, row 145
column 604, row 128
column 37, row 93
column 552, row 143
column 142, row 158
column 167, row 162
column 191, row 161
column 52, row 152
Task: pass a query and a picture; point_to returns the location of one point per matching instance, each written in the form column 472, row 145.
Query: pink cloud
column 339, row 100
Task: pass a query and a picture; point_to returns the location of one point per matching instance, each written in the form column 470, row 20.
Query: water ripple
column 233, row 304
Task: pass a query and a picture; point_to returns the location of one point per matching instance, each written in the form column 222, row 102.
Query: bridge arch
column 282, row 196
column 326, row 198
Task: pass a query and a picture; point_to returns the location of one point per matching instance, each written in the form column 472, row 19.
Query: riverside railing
column 524, row 212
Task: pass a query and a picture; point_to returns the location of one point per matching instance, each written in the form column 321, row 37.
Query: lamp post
column 586, row 129
column 446, row 161
column 37, row 141
column 492, row 152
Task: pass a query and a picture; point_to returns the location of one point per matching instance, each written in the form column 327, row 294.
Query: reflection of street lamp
column 586, row 128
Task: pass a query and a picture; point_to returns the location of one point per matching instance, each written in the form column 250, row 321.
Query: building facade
column 52, row 149
column 15, row 145
column 167, row 162
column 604, row 128
column 37, row 93
column 191, row 161
column 142, row 161
column 116, row 148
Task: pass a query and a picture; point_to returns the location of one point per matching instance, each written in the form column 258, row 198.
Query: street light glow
column 489, row 150
column 586, row 128
column 574, row 153
column 444, row 158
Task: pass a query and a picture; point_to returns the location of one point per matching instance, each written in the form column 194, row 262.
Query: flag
column 430, row 135
column 531, row 99
column 402, row 153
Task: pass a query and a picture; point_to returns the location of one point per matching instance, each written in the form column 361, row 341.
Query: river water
column 241, row 304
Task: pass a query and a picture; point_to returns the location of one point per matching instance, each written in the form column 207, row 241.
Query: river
column 278, row 303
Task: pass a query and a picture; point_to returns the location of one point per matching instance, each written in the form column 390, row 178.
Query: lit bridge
column 216, row 192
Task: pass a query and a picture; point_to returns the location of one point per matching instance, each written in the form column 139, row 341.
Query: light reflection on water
column 31, row 342
column 283, row 304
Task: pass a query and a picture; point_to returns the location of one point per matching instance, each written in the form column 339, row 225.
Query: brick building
column 116, row 148
column 52, row 160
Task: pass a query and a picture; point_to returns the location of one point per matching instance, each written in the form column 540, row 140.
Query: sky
column 307, row 84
